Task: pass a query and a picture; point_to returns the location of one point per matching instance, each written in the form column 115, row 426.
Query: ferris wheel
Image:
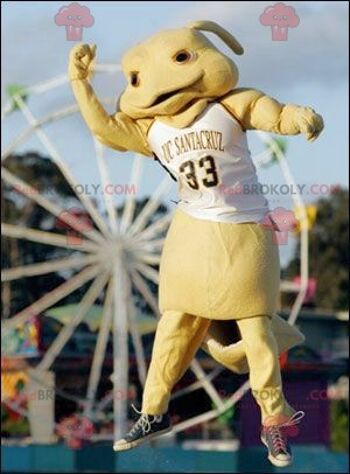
column 118, row 254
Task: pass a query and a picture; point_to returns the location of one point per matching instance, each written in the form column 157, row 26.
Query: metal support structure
column 120, row 346
column 304, row 231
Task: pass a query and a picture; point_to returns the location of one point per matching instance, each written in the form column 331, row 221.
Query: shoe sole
column 138, row 442
column 274, row 461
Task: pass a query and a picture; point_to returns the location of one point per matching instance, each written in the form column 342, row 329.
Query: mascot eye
column 183, row 56
column 134, row 79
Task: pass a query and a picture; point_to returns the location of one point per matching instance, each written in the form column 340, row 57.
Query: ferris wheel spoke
column 16, row 142
column 104, row 403
column 108, row 198
column 275, row 148
column 148, row 246
column 210, row 415
column 47, row 119
column 150, row 258
column 263, row 158
column 26, row 133
column 150, row 207
column 130, row 202
column 43, row 237
column 304, row 234
column 50, row 298
column 196, row 420
column 147, row 271
column 46, row 85
column 53, row 152
column 196, row 385
column 100, row 350
column 136, row 338
column 66, row 333
column 32, row 193
column 6, row 109
column 206, row 384
column 157, row 227
column 42, row 268
column 145, row 292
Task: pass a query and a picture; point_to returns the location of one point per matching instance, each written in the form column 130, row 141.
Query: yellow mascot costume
column 220, row 269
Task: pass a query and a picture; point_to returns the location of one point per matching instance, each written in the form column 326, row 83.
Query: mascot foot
column 280, row 454
column 275, row 439
column 146, row 428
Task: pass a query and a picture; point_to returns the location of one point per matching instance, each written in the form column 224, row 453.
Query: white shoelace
column 144, row 421
column 295, row 419
column 278, row 440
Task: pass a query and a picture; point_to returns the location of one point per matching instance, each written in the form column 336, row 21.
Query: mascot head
column 173, row 69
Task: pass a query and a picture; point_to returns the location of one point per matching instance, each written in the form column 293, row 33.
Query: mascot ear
column 213, row 27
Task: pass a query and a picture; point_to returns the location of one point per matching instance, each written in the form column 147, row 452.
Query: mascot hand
column 80, row 61
column 309, row 122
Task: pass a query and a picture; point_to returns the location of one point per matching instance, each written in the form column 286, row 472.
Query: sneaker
column 275, row 439
column 146, row 428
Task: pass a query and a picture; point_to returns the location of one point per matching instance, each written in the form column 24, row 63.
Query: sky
column 311, row 68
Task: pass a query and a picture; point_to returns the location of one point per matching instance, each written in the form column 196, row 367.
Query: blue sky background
column 311, row 68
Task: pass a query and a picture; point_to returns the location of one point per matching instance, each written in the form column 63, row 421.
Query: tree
column 329, row 251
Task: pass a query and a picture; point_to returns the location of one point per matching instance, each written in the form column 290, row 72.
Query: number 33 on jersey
column 212, row 164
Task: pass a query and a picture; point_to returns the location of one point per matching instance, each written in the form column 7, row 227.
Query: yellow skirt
column 219, row 270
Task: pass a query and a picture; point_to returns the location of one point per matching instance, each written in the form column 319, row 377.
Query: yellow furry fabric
column 218, row 270
column 179, row 336
column 206, row 74
column 224, row 343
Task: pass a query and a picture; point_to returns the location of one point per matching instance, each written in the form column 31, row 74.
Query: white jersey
column 212, row 164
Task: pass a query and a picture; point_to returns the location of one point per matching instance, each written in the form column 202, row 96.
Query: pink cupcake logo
column 279, row 18
column 280, row 221
column 74, row 18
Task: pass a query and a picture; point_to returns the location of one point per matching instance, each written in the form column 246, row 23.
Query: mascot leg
column 264, row 371
column 254, row 349
column 178, row 337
